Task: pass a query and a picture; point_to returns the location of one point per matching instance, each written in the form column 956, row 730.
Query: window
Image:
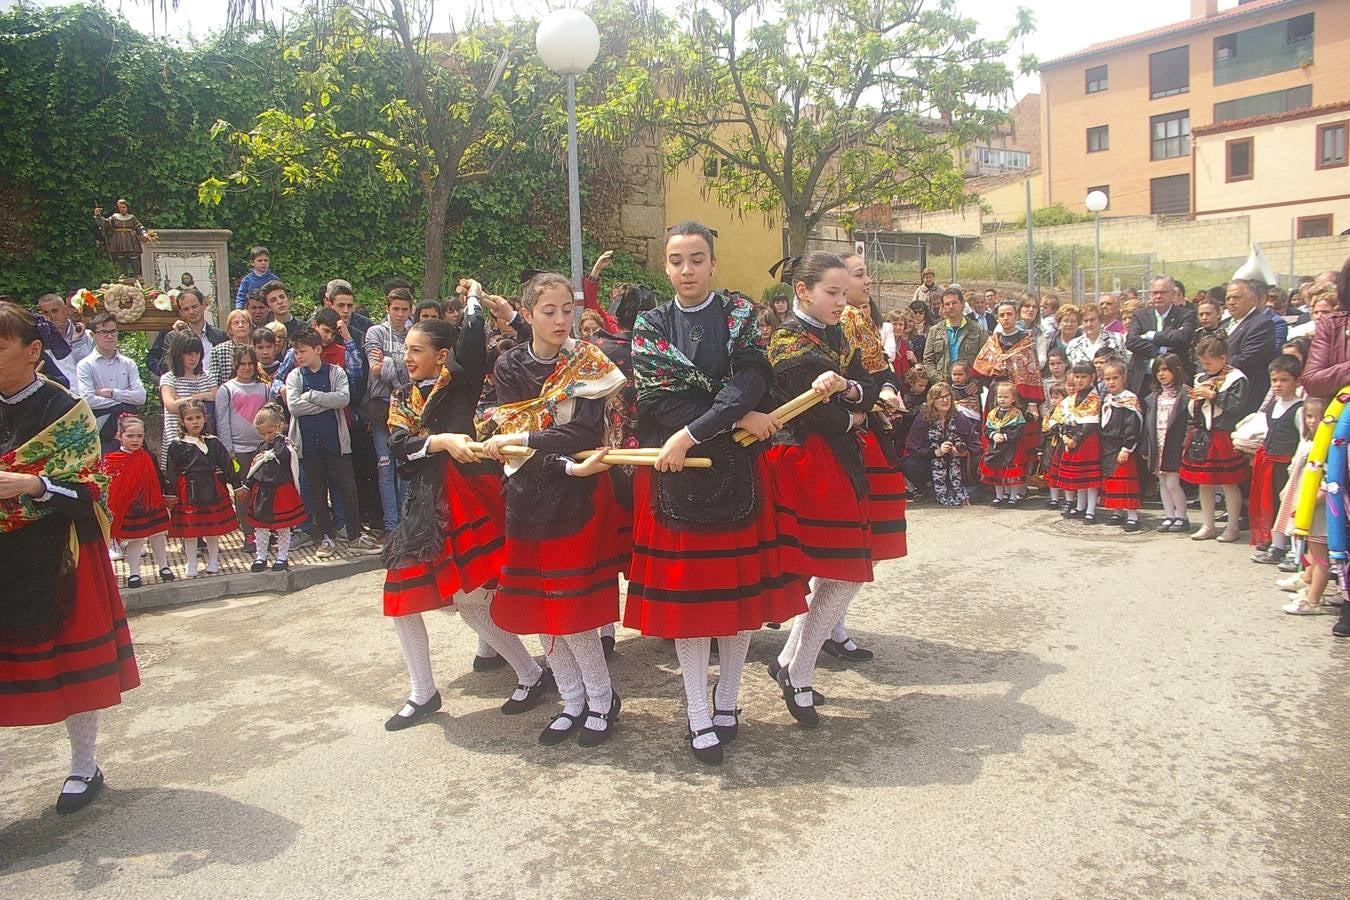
column 1000, row 160
column 1096, row 79
column 1314, row 226
column 1264, row 104
column 1169, row 72
column 1170, row 196
column 1240, row 160
column 1331, row 145
column 1099, row 138
column 1171, row 135
column 1104, row 188
column 1276, row 47
column 712, row 166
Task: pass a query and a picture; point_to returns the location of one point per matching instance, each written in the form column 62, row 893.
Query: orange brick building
column 1118, row 116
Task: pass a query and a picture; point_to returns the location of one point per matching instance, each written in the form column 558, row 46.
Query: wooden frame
column 1228, row 146
column 1317, row 147
column 1327, row 217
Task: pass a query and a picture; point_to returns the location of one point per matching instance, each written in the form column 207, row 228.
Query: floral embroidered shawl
column 659, row 366
column 861, row 332
column 1017, row 364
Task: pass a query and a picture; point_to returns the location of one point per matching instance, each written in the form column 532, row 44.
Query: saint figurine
column 122, row 235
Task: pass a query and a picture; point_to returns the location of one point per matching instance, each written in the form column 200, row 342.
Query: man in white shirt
column 55, row 310
column 108, row 380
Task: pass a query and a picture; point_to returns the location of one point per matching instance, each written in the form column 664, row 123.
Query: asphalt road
column 1052, row 712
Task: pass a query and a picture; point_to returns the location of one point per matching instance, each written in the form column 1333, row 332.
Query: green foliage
column 95, row 111
column 824, row 105
column 1054, row 214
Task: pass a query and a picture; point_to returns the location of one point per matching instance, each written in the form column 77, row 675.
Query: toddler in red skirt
column 273, row 489
column 198, row 470
column 1122, row 425
column 1208, row 458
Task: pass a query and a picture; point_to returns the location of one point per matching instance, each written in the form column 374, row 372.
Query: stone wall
column 641, row 227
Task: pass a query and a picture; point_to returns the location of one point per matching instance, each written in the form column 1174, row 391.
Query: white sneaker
column 366, row 544
column 1291, row 584
column 327, row 549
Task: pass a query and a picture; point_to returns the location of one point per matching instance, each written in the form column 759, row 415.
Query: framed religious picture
column 191, row 258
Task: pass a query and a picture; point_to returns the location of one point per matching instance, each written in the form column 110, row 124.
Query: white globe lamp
column 567, row 41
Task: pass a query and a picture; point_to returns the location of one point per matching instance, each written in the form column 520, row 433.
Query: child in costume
column 138, row 499
column 1122, row 425
column 1003, row 428
column 1208, row 457
column 198, row 471
column 273, row 489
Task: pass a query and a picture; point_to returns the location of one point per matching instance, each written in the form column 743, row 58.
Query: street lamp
column 1096, row 202
column 568, row 42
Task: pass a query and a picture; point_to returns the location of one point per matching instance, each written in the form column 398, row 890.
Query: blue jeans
column 392, row 488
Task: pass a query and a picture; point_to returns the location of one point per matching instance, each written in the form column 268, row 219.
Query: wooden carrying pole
column 637, row 456
column 784, row 414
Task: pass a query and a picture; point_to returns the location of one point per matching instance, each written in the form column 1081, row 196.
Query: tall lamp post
column 1096, row 202
column 568, row 42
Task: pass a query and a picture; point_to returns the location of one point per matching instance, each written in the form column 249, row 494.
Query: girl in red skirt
column 1052, row 447
column 65, row 652
column 1122, row 424
column 138, row 499
column 198, row 470
column 560, row 578
column 273, row 485
column 448, row 548
column 820, row 482
column 1080, row 465
column 886, row 490
column 1208, row 457
column 705, row 543
column 1270, row 466
column 1000, row 466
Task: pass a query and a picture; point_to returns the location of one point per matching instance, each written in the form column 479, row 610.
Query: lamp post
column 1096, row 202
column 568, row 42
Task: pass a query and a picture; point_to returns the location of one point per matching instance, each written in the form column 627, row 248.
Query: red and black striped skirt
column 886, row 493
column 1080, row 469
column 140, row 523
column 1269, row 475
column 1222, row 464
column 193, row 520
column 471, row 553
column 706, row 581
column 287, row 511
column 1120, row 489
column 1052, row 451
column 86, row 667
column 823, row 524
column 1001, row 476
column 567, row 584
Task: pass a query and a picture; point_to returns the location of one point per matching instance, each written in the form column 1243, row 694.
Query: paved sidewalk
column 235, row 579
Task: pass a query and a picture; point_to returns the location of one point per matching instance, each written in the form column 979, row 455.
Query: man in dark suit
column 1251, row 339
column 191, row 321
column 981, row 310
column 1166, row 327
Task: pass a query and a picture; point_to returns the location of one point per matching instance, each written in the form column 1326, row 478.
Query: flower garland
column 125, row 301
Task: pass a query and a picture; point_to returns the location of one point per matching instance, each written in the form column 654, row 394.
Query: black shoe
column 1052, row 504
column 1181, row 526
column 1271, row 556
column 533, row 694
column 133, row 581
column 1132, row 526
column 839, row 650
column 997, row 501
column 774, row 625
column 551, row 737
column 709, row 756
column 397, row 722
column 817, row 698
column 1089, row 519
column 1342, row 626
column 806, row 715
column 1066, row 507
column 1013, row 502
column 280, row 565
column 1165, row 526
column 607, row 643
column 725, row 733
column 69, row 803
column 487, row 663
column 1074, row 513
column 165, row 575
column 589, row 737
column 1116, row 519
column 259, row 565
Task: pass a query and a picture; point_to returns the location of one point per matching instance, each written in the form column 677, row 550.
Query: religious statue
column 122, row 235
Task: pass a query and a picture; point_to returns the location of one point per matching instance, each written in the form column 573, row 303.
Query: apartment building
column 1120, row 116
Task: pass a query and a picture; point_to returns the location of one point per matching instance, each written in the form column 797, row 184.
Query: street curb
column 201, row 590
